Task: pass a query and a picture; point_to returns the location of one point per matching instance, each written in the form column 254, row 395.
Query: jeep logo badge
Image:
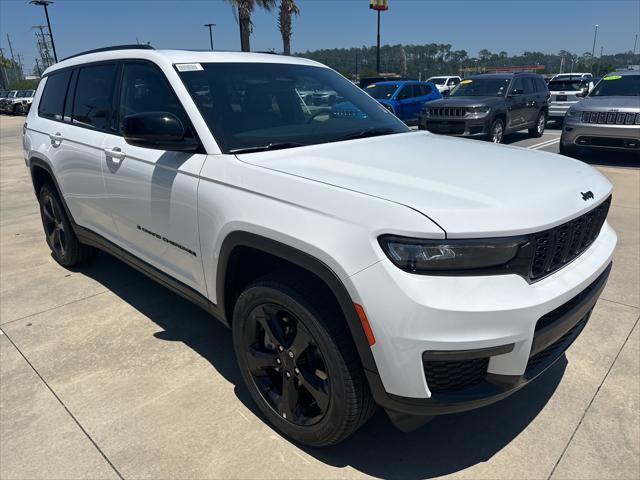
column 588, row 195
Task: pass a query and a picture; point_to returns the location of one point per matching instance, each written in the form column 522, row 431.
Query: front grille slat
column 555, row 247
column 611, row 118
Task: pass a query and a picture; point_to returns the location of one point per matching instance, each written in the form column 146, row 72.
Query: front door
column 518, row 108
column 153, row 193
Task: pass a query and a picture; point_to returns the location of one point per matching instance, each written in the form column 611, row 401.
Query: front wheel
column 496, row 132
column 299, row 363
column 539, row 127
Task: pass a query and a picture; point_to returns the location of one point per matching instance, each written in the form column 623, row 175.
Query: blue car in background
column 404, row 98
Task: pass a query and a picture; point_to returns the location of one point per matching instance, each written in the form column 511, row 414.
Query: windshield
column 438, row 80
column 617, row 86
column 381, row 91
column 567, row 85
column 249, row 105
column 481, row 87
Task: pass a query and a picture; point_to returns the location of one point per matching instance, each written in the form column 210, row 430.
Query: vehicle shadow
column 604, row 158
column 447, row 444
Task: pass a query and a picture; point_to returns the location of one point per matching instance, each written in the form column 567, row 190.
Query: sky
column 511, row 25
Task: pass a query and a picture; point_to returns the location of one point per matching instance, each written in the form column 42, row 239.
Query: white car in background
column 565, row 91
column 445, row 84
column 356, row 262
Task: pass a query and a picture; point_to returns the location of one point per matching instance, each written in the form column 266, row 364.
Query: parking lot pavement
column 105, row 374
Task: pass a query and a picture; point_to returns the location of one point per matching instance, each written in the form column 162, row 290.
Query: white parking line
column 548, row 143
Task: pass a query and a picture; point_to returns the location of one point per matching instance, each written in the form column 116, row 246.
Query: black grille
column 449, row 376
column 620, row 118
column 556, row 349
column 447, row 111
column 450, row 128
column 555, row 247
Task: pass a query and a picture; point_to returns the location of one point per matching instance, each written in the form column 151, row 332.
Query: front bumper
column 463, row 319
column 593, row 135
column 460, row 127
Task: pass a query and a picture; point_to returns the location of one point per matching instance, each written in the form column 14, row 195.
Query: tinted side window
column 518, row 86
column 406, row 92
column 52, row 101
column 425, row 89
column 94, row 91
column 529, row 86
column 542, row 87
column 145, row 89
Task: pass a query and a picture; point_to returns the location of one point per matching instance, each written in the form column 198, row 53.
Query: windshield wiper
column 269, row 146
column 369, row 132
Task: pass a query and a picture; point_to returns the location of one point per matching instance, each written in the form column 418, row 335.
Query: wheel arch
column 232, row 275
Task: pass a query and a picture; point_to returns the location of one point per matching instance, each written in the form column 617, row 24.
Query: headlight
column 478, row 109
column 572, row 112
column 418, row 255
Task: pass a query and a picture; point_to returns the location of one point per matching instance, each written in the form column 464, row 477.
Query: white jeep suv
column 358, row 263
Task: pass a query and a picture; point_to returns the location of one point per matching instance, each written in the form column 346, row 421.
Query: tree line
column 440, row 59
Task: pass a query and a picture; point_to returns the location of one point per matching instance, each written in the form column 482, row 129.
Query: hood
column 466, row 101
column 469, row 188
column 609, row 103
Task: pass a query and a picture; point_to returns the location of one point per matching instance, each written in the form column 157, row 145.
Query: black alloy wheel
column 54, row 227
column 286, row 365
column 298, row 359
column 65, row 247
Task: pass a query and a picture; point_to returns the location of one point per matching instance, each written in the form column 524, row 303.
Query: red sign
column 380, row 5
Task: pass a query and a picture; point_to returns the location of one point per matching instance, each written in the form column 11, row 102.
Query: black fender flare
column 302, row 260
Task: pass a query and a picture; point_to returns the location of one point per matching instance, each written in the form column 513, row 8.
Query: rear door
column 517, row 104
column 77, row 138
column 152, row 194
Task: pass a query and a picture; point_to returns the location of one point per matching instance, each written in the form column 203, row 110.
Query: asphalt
column 105, row 374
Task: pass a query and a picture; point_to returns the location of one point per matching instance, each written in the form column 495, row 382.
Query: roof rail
column 115, row 47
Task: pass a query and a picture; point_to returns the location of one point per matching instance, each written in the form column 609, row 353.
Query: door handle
column 56, row 138
column 115, row 153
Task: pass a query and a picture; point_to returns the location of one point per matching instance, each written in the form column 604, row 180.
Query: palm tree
column 287, row 9
column 244, row 10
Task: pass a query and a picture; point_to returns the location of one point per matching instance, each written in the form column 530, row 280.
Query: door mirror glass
column 157, row 130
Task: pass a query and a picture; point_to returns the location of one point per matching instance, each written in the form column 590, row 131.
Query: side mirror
column 157, row 130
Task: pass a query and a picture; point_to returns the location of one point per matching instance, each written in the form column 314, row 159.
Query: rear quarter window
column 52, row 101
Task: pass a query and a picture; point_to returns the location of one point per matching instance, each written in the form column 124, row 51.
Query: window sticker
column 612, row 77
column 189, row 67
column 463, row 82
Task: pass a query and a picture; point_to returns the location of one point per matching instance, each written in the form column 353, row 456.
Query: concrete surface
column 105, row 374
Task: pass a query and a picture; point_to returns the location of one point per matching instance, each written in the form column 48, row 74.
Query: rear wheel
column 299, row 363
column 496, row 132
column 65, row 247
column 539, row 127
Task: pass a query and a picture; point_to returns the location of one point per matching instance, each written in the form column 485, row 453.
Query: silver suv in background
column 609, row 117
column 566, row 91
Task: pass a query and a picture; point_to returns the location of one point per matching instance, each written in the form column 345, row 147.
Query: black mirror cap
column 157, row 130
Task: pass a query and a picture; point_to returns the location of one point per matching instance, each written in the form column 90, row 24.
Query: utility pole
column 600, row 60
column 593, row 49
column 45, row 4
column 43, row 46
column 210, row 25
column 378, row 6
column 561, row 63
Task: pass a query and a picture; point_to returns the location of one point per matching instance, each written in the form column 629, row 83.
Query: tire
column 317, row 351
column 496, row 132
column 538, row 129
column 65, row 247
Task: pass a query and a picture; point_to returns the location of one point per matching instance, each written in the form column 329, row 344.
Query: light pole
column 593, row 50
column 210, row 25
column 45, row 3
column 378, row 6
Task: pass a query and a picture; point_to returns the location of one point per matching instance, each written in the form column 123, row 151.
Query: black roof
column 114, row 47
